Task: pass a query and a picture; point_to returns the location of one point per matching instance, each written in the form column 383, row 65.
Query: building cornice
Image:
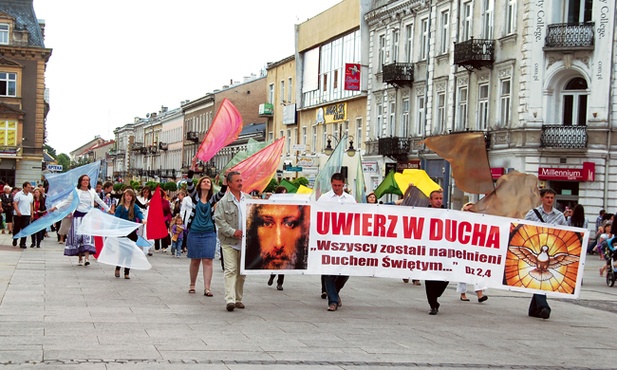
column 27, row 53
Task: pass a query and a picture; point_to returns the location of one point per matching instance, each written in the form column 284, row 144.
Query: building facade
column 23, row 103
column 536, row 77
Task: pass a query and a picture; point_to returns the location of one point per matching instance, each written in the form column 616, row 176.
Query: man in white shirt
column 332, row 284
column 22, row 203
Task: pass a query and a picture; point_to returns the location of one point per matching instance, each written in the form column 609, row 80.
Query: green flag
column 388, row 186
column 291, row 188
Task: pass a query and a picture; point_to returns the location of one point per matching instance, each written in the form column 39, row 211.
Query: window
column 504, row 102
column 271, row 93
column 313, row 138
column 282, row 92
column 511, row 17
column 392, row 120
column 483, row 107
column 303, row 135
column 445, row 32
column 395, row 40
column 575, row 102
column 420, row 116
column 466, row 21
column 404, row 129
column 382, row 52
column 8, row 84
column 325, row 82
column 4, row 33
column 408, row 43
column 288, row 140
column 440, row 123
column 461, row 110
column 487, row 19
column 424, row 45
column 8, row 133
column 335, row 80
column 578, row 11
column 289, row 90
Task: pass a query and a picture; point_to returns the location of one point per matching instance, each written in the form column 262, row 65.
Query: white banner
column 416, row 243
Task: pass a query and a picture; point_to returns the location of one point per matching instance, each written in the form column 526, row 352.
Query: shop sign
column 332, row 113
column 587, row 173
column 497, row 172
column 370, row 167
column 352, row 76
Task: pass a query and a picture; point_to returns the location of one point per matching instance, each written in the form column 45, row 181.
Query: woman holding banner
column 201, row 239
column 76, row 244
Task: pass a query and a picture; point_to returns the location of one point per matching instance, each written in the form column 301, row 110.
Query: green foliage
column 152, row 185
column 271, row 186
column 51, row 151
column 300, row 181
column 79, row 163
column 118, row 186
column 65, row 161
column 135, row 184
column 170, row 186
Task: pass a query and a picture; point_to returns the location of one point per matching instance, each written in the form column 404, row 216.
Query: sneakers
column 333, row 307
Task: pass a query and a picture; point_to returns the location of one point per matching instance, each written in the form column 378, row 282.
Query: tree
column 300, row 181
column 271, row 186
column 51, row 151
column 64, row 160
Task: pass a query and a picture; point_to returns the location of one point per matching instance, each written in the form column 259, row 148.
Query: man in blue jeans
column 548, row 214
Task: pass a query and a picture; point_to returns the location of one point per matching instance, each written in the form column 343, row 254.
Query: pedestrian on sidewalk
column 38, row 210
column 128, row 210
column 22, row 203
column 7, row 207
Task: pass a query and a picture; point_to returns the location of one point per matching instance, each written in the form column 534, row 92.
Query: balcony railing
column 153, row 149
column 192, row 136
column 560, row 136
column 568, row 36
column 163, row 146
column 137, row 146
column 474, row 53
column 394, row 146
column 398, row 74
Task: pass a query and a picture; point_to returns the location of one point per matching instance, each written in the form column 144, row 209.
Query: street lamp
column 328, row 150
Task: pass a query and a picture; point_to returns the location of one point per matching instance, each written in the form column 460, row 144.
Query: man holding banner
column 548, row 214
column 334, row 283
column 435, row 288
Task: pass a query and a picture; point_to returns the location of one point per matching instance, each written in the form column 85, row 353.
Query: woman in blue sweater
column 201, row 239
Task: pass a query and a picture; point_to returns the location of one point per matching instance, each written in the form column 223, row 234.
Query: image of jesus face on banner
column 277, row 236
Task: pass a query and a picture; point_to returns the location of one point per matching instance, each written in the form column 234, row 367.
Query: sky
column 116, row 60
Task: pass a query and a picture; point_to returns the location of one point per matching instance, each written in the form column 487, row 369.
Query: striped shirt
column 554, row 217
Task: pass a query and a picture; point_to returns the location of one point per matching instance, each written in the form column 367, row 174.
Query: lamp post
column 328, row 150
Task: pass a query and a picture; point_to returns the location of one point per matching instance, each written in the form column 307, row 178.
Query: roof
column 23, row 12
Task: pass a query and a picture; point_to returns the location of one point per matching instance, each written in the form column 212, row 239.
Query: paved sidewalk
column 54, row 313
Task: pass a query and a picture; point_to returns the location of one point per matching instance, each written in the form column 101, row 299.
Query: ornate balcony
column 163, row 146
column 371, row 147
column 192, row 136
column 144, row 150
column 136, row 146
column 569, row 36
column 398, row 74
column 395, row 147
column 153, row 149
column 566, row 137
column 474, row 54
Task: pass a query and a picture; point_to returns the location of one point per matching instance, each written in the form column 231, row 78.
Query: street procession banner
column 302, row 237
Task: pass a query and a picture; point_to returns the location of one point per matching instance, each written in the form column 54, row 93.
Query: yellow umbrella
column 419, row 178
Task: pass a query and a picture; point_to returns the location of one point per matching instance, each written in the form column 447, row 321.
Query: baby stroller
column 609, row 247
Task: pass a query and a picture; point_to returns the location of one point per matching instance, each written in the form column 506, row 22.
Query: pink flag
column 224, row 130
column 258, row 169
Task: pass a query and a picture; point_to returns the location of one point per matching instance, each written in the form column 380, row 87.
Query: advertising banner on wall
column 390, row 241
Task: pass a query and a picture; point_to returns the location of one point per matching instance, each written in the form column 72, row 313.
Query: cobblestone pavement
column 54, row 313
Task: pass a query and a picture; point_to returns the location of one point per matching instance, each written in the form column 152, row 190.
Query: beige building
column 331, row 59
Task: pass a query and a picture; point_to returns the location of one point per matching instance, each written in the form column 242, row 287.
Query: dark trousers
column 279, row 280
column 19, row 223
column 334, row 284
column 38, row 237
column 434, row 289
column 538, row 302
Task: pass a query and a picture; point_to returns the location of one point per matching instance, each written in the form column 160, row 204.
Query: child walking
column 177, row 235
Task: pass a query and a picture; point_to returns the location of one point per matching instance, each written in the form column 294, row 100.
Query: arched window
column 575, row 102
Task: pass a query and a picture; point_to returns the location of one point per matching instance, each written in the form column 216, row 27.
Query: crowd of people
column 202, row 224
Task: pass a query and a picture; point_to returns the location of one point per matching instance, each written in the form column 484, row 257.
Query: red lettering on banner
column 341, row 223
column 412, row 227
column 380, row 223
column 393, row 221
column 464, row 233
column 366, row 224
column 323, row 223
